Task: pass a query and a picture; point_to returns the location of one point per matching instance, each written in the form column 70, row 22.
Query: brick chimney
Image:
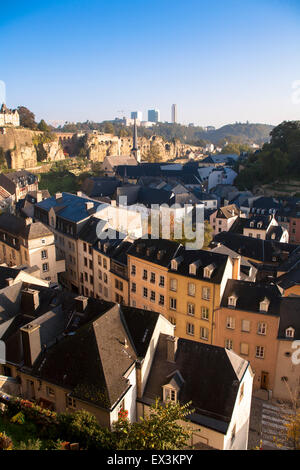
column 171, row 348
column 236, row 268
column 39, row 196
column 31, row 341
column 81, row 303
column 28, row 220
column 10, row 281
column 89, row 205
column 30, row 300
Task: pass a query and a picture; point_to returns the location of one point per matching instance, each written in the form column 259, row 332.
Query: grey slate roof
column 211, row 378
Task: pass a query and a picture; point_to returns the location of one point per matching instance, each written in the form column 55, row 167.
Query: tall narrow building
column 135, row 150
column 174, row 113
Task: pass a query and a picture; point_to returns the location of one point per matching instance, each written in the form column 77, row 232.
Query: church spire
column 135, row 150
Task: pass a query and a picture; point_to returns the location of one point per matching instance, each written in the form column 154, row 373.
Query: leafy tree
column 153, row 154
column 43, row 126
column 27, row 118
column 161, row 430
column 109, row 128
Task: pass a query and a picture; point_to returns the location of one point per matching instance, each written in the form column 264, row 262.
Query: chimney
column 58, row 195
column 113, row 203
column 171, row 348
column 30, row 300
column 28, row 221
column 81, row 303
column 10, row 281
column 79, row 193
column 89, row 205
column 236, row 268
column 39, row 196
column 138, row 371
column 31, row 341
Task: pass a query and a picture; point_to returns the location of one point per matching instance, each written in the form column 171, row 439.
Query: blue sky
column 220, row 61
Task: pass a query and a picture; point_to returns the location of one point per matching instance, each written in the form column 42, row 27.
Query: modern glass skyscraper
column 137, row 115
column 153, row 115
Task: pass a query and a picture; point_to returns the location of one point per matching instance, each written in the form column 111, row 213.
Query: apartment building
column 66, row 214
column 148, row 265
column 196, row 281
column 222, row 219
column 18, row 183
column 23, row 242
column 247, row 322
column 265, row 228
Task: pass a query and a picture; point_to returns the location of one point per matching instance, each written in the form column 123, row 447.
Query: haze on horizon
column 221, row 63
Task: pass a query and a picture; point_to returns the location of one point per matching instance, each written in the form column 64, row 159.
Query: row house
column 223, row 218
column 138, row 360
column 18, row 183
column 23, row 242
column 183, row 285
column 66, row 214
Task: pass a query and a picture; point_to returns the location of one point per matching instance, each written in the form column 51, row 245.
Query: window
column 84, row 247
column 173, row 303
column 228, row 343
column 289, row 332
column 99, row 261
column 90, row 250
column 161, row 281
column 261, row 328
column 104, row 263
column 232, row 301
column 173, row 285
column 190, row 329
column 246, row 326
column 204, row 313
column 119, row 299
column 44, row 254
column 161, row 300
column 105, row 292
column 152, row 278
column 45, row 267
column 242, row 391
column 100, row 275
column 191, row 289
column 170, row 395
column 85, row 277
column 133, row 270
column 204, row 333
column 230, row 323
column 233, row 434
column 105, row 278
column 260, row 352
column 172, row 320
column 118, row 285
column 152, row 296
column 264, row 305
column 145, row 292
column 85, row 261
column 205, row 293
column 191, row 309
column 71, row 402
column 91, row 279
column 145, row 275
column 91, row 264
column 133, row 287
column 244, row 349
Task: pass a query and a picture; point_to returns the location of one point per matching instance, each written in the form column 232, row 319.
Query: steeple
column 135, row 150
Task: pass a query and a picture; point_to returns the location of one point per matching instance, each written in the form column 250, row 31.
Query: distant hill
column 193, row 135
column 241, row 133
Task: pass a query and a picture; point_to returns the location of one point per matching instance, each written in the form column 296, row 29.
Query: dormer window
column 208, row 270
column 193, row 269
column 259, row 225
column 251, row 224
column 170, row 394
column 264, row 305
column 289, row 332
column 232, row 301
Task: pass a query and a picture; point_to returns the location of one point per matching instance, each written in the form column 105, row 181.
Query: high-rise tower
column 174, row 113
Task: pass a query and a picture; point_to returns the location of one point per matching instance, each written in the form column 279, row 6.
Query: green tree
column 165, row 428
column 43, row 126
column 109, row 128
column 27, row 118
column 153, row 155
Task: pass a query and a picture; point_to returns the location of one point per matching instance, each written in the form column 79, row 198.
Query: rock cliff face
column 20, row 150
column 98, row 146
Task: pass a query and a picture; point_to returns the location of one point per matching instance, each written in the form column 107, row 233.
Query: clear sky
column 220, row 61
